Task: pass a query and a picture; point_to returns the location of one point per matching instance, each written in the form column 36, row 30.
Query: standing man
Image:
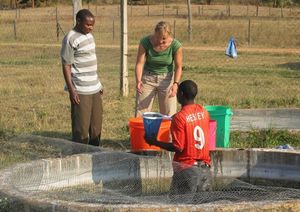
column 79, row 65
column 190, row 142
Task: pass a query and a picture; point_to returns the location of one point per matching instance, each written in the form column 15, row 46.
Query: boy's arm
column 167, row 146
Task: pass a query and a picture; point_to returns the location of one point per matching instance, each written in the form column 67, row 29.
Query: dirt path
column 200, row 48
column 247, row 49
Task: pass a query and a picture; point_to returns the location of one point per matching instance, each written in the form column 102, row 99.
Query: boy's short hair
column 189, row 89
column 82, row 14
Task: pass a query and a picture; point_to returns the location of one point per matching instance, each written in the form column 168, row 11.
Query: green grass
column 33, row 100
column 14, row 152
column 31, row 89
column 268, row 138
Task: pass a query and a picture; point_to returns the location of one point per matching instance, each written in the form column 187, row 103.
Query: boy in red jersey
column 190, row 142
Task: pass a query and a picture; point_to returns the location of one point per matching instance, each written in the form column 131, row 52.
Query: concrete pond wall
column 281, row 167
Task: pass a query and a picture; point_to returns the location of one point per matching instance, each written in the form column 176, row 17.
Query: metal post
column 131, row 8
column 174, row 29
column 190, row 29
column 163, row 10
column 57, row 24
column 17, row 13
column 229, row 8
column 249, row 32
column 99, row 25
column 113, row 29
column 15, row 29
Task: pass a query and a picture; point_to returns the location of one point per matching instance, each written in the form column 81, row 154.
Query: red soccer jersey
column 190, row 135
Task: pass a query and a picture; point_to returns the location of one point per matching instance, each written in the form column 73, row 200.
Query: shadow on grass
column 123, row 144
column 120, row 144
column 51, row 134
column 293, row 66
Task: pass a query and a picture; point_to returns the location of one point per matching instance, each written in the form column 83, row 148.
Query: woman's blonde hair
column 163, row 27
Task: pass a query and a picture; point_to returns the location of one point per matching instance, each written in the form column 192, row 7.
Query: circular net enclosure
column 86, row 175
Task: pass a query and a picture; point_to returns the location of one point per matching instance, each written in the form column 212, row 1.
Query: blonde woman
column 158, row 71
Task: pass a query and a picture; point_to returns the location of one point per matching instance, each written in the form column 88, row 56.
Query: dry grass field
column 266, row 73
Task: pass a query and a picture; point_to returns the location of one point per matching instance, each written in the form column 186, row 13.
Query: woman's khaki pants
column 156, row 85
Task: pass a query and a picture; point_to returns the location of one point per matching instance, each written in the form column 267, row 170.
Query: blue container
column 231, row 48
column 152, row 121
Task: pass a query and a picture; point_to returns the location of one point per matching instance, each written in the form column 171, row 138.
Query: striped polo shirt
column 159, row 62
column 79, row 50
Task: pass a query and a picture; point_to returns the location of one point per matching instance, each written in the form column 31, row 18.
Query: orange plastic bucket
column 137, row 132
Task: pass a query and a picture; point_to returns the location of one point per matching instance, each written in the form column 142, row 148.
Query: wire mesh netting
column 265, row 74
column 86, row 174
column 211, row 24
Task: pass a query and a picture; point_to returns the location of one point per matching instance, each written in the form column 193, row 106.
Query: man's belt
column 202, row 164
